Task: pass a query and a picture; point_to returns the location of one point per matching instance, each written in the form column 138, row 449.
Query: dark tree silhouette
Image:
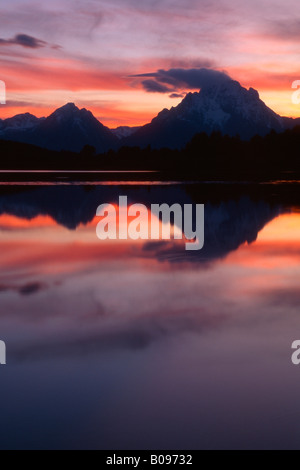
column 213, row 157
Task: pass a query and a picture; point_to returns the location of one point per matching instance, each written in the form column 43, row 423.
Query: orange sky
column 88, row 53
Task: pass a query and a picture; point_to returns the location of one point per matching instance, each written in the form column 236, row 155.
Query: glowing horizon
column 91, row 52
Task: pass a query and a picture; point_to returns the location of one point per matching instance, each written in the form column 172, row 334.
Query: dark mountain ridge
column 224, row 107
column 68, row 128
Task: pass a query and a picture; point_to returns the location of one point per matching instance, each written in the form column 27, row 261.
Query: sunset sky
column 91, row 52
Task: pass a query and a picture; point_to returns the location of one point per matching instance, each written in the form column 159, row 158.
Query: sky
column 113, row 56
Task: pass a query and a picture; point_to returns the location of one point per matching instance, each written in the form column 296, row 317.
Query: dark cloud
column 26, row 289
column 25, row 41
column 30, row 289
column 153, row 86
column 177, row 95
column 178, row 79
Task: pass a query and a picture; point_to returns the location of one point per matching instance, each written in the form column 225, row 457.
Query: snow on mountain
column 124, row 131
column 223, row 106
column 71, row 128
column 226, row 107
column 68, row 128
column 20, row 122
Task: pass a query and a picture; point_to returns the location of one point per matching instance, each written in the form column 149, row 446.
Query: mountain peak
column 66, row 113
column 72, row 128
column 223, row 105
column 217, row 104
column 70, row 111
column 67, row 109
column 69, row 106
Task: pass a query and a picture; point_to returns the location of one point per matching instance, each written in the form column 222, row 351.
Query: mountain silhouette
column 68, row 128
column 20, row 122
column 225, row 107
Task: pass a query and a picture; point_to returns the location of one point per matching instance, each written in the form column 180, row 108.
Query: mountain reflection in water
column 124, row 344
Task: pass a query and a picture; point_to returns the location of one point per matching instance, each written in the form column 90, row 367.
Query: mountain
column 68, row 128
column 124, row 131
column 20, row 122
column 226, row 107
column 291, row 123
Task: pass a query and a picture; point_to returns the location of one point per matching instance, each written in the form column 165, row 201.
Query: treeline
column 205, row 157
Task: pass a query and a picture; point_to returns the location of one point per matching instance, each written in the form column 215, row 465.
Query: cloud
column 135, row 334
column 285, row 297
column 285, row 30
column 73, row 75
column 177, row 95
column 153, row 86
column 23, row 104
column 25, row 41
column 176, row 80
column 26, row 289
column 30, row 289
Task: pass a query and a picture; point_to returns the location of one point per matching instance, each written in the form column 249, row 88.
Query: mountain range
column 226, row 107
column 68, row 128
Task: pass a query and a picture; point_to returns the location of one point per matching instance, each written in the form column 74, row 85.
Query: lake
column 125, row 344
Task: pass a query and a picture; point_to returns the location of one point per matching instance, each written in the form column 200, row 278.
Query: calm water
column 142, row 345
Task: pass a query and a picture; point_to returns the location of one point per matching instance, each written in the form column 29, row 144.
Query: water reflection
column 228, row 224
column 124, row 344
